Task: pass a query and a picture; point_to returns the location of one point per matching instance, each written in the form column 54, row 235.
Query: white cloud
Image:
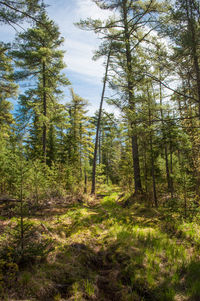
column 79, row 59
column 87, row 8
column 85, row 74
column 79, row 44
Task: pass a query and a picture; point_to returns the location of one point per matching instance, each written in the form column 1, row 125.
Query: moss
column 104, row 251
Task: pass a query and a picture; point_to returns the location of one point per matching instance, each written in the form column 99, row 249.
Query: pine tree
column 78, row 138
column 126, row 32
column 39, row 58
column 14, row 12
column 8, row 89
column 183, row 30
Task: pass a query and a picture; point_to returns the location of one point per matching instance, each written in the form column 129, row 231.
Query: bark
column 165, row 143
column 85, row 187
column 21, row 218
column 185, row 198
column 151, row 150
column 167, row 168
column 171, row 170
column 135, row 152
column 145, row 169
column 191, row 28
column 100, row 145
column 98, row 126
column 80, row 152
column 153, row 172
column 136, row 165
column 44, row 136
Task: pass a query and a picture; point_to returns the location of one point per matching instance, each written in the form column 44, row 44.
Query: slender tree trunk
column 85, row 187
column 100, row 145
column 165, row 143
column 136, row 165
column 107, row 164
column 171, row 170
column 80, row 152
column 151, row 150
column 153, row 172
column 44, row 136
column 185, row 197
column 21, row 217
column 167, row 168
column 135, row 152
column 145, row 168
column 70, row 147
column 191, row 28
column 98, row 125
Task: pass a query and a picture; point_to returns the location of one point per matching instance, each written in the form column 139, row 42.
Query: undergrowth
column 100, row 250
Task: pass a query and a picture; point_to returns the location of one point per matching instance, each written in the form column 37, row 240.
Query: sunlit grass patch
column 83, row 290
column 190, row 231
column 106, row 247
column 89, row 288
column 107, row 189
column 148, row 258
column 110, row 199
column 192, row 280
column 80, row 236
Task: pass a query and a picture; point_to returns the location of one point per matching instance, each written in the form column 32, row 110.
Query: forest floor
column 97, row 249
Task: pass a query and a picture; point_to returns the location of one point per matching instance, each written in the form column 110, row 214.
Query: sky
column 84, row 74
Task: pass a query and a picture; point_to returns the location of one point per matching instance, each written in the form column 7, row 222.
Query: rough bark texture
column 191, row 28
column 135, row 152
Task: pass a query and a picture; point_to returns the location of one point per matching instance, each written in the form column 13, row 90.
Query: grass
column 102, row 251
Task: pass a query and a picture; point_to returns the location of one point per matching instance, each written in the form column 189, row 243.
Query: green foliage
column 81, row 247
column 8, row 272
column 13, row 12
column 89, row 288
column 35, row 247
column 100, row 174
column 38, row 57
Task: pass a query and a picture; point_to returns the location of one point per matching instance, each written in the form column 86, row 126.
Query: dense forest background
column 53, row 152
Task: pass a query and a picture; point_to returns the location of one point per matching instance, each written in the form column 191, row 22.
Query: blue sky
column 84, row 74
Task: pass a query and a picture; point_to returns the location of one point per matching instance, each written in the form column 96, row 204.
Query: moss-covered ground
column 97, row 249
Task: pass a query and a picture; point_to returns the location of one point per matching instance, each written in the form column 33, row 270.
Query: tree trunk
column 145, row 169
column 80, row 153
column 136, row 165
column 21, row 217
column 44, row 136
column 98, row 125
column 191, row 29
column 153, row 172
column 100, row 145
column 164, row 138
column 85, row 187
column 135, row 152
column 167, row 168
column 171, row 170
column 107, row 164
column 151, row 150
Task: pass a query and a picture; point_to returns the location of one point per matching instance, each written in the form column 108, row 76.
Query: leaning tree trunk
column 98, row 126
